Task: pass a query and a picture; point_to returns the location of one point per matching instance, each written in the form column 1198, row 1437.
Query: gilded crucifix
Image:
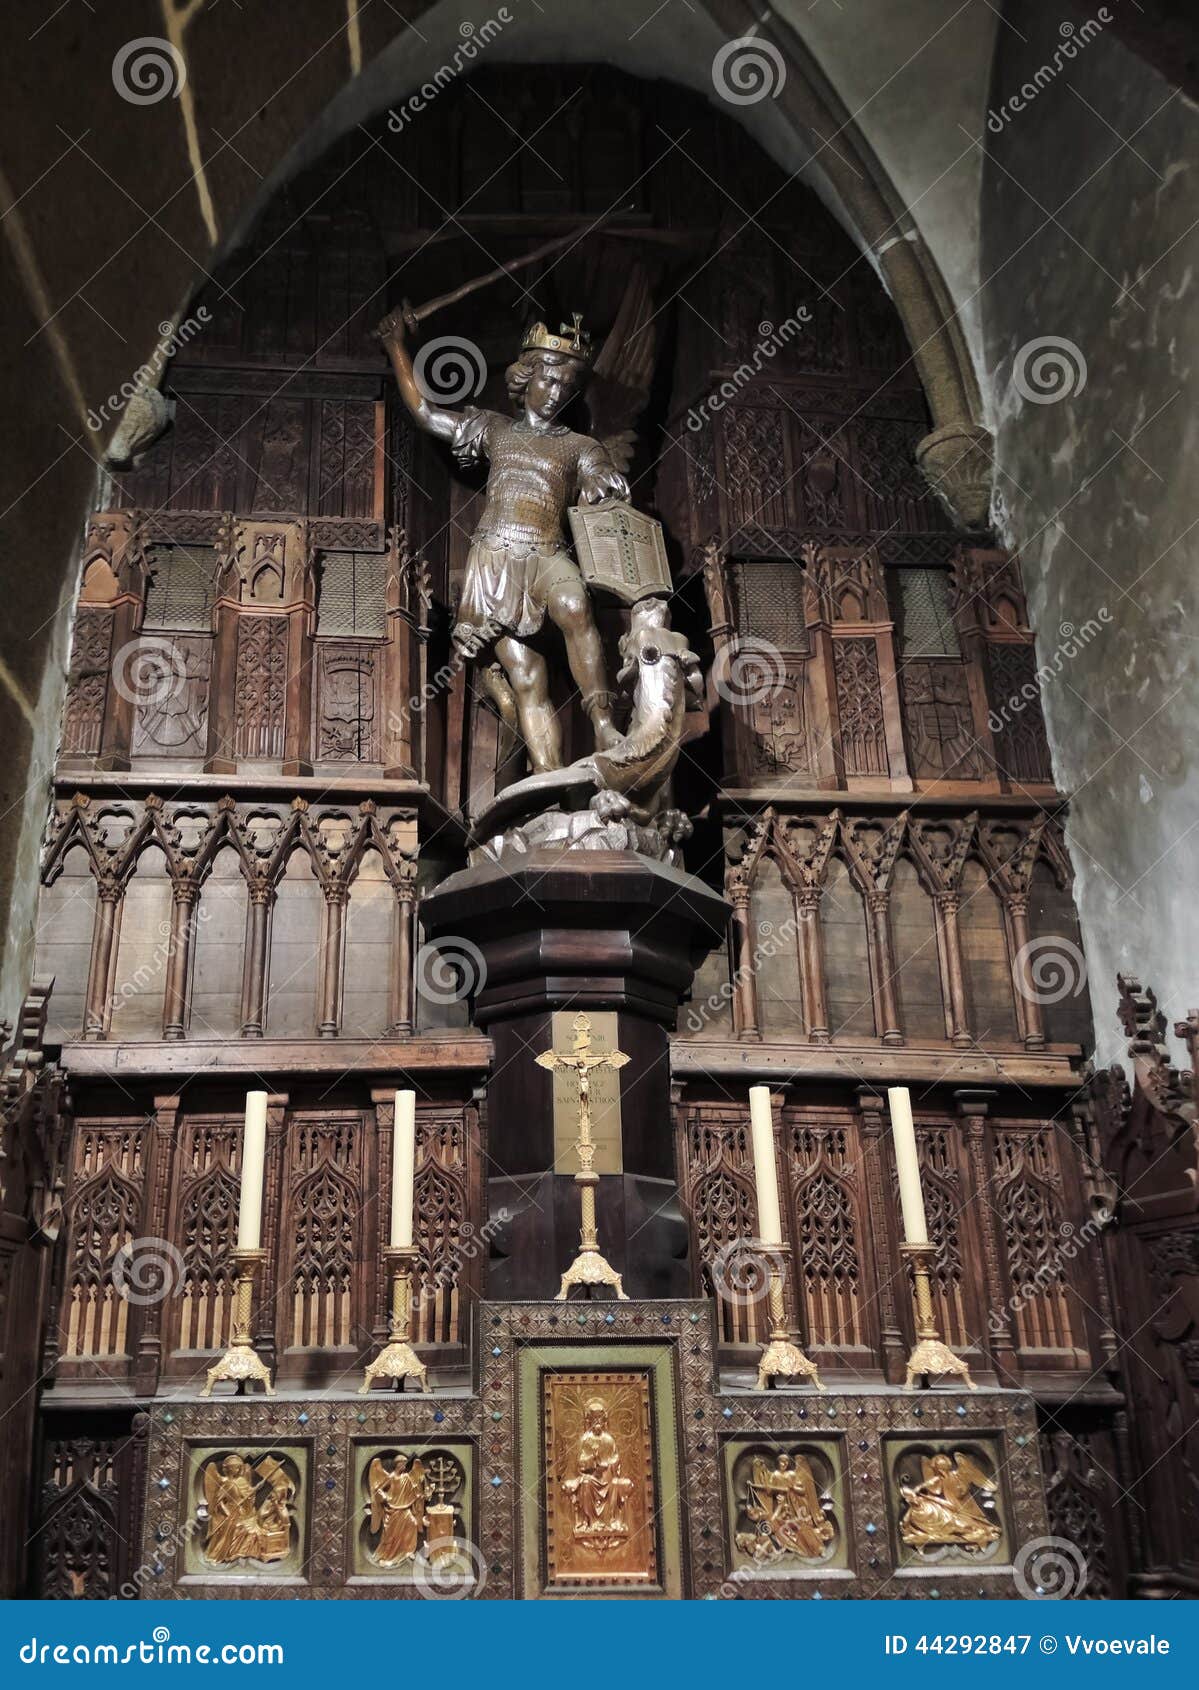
column 589, row 1266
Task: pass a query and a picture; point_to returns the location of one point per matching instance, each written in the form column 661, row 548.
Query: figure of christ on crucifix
column 580, row 1062
column 519, row 570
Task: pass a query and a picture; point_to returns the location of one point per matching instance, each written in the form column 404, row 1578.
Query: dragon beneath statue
column 618, row 799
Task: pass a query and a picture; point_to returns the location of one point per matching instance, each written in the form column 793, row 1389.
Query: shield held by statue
column 620, row 550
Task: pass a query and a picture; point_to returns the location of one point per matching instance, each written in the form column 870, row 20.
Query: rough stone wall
column 1089, row 201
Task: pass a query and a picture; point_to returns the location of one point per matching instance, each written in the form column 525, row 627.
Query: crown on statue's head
column 571, row 340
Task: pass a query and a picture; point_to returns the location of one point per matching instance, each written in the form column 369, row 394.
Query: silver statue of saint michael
column 520, row 570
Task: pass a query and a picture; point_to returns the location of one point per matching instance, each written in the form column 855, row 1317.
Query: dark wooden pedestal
column 594, row 932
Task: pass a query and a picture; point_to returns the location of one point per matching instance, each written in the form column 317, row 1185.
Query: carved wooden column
column 376, row 1219
column 1101, row 1197
column 1028, row 1006
column 745, row 983
column 890, row 1275
column 811, row 965
column 336, row 899
column 119, row 541
column 402, row 986
column 953, row 979
column 162, row 1136
column 99, row 978
column 253, row 1000
column 404, row 700
column 185, row 896
column 882, row 963
column 972, row 1108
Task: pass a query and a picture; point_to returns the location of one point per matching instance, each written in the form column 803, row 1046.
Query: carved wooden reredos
column 268, row 755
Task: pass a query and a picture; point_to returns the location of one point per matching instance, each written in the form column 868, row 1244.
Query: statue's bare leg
column 495, row 685
column 529, row 675
column 570, row 610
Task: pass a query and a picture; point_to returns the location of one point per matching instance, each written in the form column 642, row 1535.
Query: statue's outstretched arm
column 434, row 419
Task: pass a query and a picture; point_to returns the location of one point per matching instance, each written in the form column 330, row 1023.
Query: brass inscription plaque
column 605, row 1097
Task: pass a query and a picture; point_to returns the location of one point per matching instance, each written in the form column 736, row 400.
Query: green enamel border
column 567, row 1357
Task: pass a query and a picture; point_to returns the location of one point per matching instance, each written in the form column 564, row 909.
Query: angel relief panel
column 248, row 1512
column 413, row 1517
column 785, row 1506
column 946, row 1502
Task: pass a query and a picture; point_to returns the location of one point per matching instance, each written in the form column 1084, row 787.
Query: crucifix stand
column 589, row 1266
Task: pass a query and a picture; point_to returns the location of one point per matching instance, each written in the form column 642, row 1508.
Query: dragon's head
column 651, row 647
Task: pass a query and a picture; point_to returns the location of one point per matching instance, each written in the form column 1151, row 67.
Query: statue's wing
column 927, row 1468
column 761, row 1474
column 623, row 372
column 376, row 1477
column 807, row 1486
column 212, row 1485
column 972, row 1472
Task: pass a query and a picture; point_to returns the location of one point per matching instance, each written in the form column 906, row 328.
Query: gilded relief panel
column 947, row 1503
column 412, row 1514
column 599, row 1479
column 246, row 1512
column 786, row 1506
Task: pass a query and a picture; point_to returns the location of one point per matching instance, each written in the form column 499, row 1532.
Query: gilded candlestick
column 782, row 1358
column 398, row 1360
column 930, row 1357
column 240, row 1362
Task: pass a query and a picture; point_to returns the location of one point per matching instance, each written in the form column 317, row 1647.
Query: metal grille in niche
column 353, row 594
column 770, row 602
column 920, row 603
column 181, row 587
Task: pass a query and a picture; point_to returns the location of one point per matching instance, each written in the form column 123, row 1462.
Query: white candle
column 253, row 1158
column 761, row 1129
column 403, row 1163
column 907, row 1162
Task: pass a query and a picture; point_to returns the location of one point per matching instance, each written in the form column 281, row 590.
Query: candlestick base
column 397, row 1362
column 590, row 1268
column 242, row 1365
column 930, row 1359
column 781, row 1359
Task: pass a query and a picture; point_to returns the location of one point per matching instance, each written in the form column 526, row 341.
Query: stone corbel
column 958, row 462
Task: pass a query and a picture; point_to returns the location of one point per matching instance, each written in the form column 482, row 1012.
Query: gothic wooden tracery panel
column 322, row 1307
column 829, row 1264
column 104, row 1214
